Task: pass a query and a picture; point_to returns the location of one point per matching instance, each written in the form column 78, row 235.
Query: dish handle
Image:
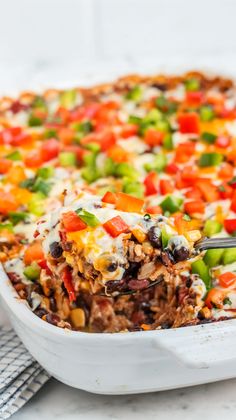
column 202, row 346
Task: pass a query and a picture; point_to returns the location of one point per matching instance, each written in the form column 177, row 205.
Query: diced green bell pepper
column 16, row 155
column 45, row 172
column 32, row 271
column 171, row 204
column 209, row 137
column 212, row 227
column 200, row 268
column 229, row 256
column 192, row 85
column 135, row 94
column 109, row 167
column 133, row 188
column 210, row 159
column 166, row 105
column 206, row 113
column 67, row 159
column 34, row 121
column 68, row 99
column 124, row 169
column 165, row 237
column 90, row 174
column 212, row 258
column 17, row 216
column 158, row 164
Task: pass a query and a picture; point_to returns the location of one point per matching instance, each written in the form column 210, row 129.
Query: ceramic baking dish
column 124, row 363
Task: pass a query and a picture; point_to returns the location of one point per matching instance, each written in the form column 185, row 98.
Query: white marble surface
column 57, row 401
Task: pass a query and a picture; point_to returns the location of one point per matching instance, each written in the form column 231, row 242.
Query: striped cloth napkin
column 20, row 375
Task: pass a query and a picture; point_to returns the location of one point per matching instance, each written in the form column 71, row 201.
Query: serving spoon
column 202, row 245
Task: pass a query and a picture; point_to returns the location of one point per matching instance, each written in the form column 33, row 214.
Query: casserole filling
column 104, row 191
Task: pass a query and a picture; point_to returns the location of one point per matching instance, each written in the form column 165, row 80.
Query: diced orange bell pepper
column 16, row 175
column 33, row 159
column 22, row 195
column 118, row 154
column 153, row 137
column 166, row 187
column 196, row 206
column 109, row 197
column 126, row 202
column 189, row 123
column 184, row 151
column 226, row 171
column 227, row 279
column 34, row 252
column 209, row 191
column 66, row 135
column 7, row 202
column 115, row 226
column 5, row 165
column 215, row 297
column 194, row 193
column 72, row 222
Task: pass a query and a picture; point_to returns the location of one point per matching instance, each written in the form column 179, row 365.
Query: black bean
column 161, row 86
column 40, row 312
column 55, row 250
column 166, row 325
column 53, row 304
column 154, row 236
column 180, row 254
column 188, row 282
column 52, row 319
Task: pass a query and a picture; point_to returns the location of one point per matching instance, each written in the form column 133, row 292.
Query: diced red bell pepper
column 227, row 279
column 44, row 266
column 33, row 159
column 109, row 197
column 166, row 187
column 72, row 222
column 126, row 202
column 50, row 149
column 14, row 136
column 129, row 130
column 171, row 168
column 230, row 225
column 189, row 123
column 154, row 210
column 68, row 283
column 225, row 191
column 151, row 183
column 222, row 141
column 233, row 202
column 5, row 165
column 194, row 98
column 226, row 171
column 153, row 137
column 196, row 206
column 209, row 191
column 115, row 226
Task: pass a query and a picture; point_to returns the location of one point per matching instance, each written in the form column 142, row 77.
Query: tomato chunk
column 50, row 149
column 72, row 222
column 166, row 187
column 151, row 183
column 227, row 279
column 230, row 225
column 109, row 197
column 153, row 137
column 126, row 202
column 189, row 123
column 115, row 226
column 129, row 130
column 5, row 165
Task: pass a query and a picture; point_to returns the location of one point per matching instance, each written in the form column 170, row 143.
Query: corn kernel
column 139, row 234
column 77, row 317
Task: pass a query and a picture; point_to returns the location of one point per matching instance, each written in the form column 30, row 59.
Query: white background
column 67, row 42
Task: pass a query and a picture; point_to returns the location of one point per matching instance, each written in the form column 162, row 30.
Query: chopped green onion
column 212, row 227
column 45, row 172
column 209, row 137
column 206, row 113
column 192, row 85
column 166, row 105
column 67, row 159
column 135, row 94
column 32, row 272
column 89, row 218
column 39, row 102
column 41, row 186
column 168, row 142
column 68, row 99
column 17, row 216
column 227, row 301
column 50, row 133
column 210, row 159
column 158, row 164
column 34, row 121
column 200, row 268
column 14, row 156
column 165, row 237
column 171, row 203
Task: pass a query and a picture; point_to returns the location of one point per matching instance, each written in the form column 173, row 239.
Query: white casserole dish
column 124, row 363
